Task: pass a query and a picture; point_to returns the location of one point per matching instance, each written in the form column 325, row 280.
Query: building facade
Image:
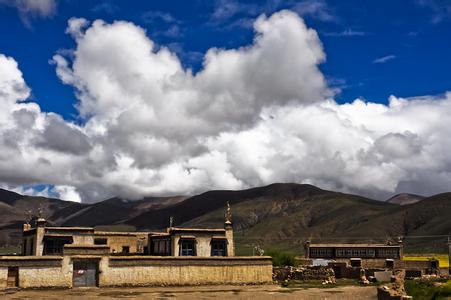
column 175, row 241
column 347, row 251
column 67, row 257
column 46, row 240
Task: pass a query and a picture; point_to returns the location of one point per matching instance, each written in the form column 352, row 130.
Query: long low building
column 83, row 257
column 342, row 251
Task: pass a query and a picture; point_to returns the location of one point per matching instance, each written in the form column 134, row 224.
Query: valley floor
column 199, row 292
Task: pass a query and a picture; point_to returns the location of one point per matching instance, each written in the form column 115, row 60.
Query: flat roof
column 71, row 228
column 57, row 235
column 352, row 245
column 127, row 233
column 171, row 229
column 83, row 246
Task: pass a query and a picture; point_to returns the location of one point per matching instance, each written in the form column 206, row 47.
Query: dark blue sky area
column 374, row 48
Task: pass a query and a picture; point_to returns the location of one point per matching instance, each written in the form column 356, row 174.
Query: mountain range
column 280, row 215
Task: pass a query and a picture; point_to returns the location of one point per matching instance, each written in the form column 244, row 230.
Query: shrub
column 282, row 258
column 427, row 290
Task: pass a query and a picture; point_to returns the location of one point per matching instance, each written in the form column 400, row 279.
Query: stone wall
column 83, row 239
column 3, row 277
column 46, row 277
column 184, row 271
column 37, row 271
column 116, row 242
column 398, row 264
column 51, row 272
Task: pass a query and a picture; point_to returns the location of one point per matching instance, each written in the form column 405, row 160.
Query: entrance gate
column 85, row 273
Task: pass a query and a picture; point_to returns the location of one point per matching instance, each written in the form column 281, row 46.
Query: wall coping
column 81, row 246
column 182, row 258
column 30, row 257
column 130, row 261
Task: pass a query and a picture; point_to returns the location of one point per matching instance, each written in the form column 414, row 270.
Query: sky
column 145, row 98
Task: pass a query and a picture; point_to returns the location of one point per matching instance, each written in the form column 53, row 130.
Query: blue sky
column 355, row 34
column 180, row 97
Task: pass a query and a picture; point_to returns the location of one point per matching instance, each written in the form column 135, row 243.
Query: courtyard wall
column 57, row 271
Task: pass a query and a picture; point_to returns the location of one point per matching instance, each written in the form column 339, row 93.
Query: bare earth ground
column 198, row 292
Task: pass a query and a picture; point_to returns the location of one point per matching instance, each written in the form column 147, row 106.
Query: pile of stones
column 304, row 273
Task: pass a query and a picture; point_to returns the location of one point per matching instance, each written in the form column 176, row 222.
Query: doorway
column 85, row 273
column 13, row 277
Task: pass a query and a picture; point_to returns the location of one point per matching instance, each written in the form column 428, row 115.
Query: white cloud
column 32, row 8
column 76, row 26
column 317, row 9
column 384, row 59
column 106, row 7
column 251, row 116
column 62, row 192
column 440, row 9
column 68, row 193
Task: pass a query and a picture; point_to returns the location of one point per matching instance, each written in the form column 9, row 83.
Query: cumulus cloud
column 254, row 115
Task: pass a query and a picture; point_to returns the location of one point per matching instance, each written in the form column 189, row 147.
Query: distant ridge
column 405, row 199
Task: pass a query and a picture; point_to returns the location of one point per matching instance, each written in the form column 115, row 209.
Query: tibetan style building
column 66, row 257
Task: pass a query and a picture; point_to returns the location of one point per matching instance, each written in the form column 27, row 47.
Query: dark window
column 218, row 248
column 125, row 249
column 24, row 247
column 388, row 252
column 187, row 247
column 55, row 246
column 434, row 264
column 161, row 247
column 357, row 262
column 321, row 252
column 32, row 246
column 100, row 241
column 389, row 263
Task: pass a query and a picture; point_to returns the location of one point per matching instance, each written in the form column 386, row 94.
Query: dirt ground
column 199, row 292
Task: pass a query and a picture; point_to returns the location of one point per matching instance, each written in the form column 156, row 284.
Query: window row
column 186, row 247
column 355, row 252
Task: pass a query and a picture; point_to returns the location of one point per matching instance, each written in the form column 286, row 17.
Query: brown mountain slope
column 15, row 209
column 278, row 215
column 211, row 201
column 286, row 222
column 116, row 210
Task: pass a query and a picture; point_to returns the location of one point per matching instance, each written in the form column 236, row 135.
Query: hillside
column 116, row 210
column 277, row 215
column 405, row 198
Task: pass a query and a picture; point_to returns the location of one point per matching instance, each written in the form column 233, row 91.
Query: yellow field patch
column 442, row 258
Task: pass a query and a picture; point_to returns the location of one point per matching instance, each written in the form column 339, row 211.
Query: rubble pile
column 395, row 289
column 325, row 274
